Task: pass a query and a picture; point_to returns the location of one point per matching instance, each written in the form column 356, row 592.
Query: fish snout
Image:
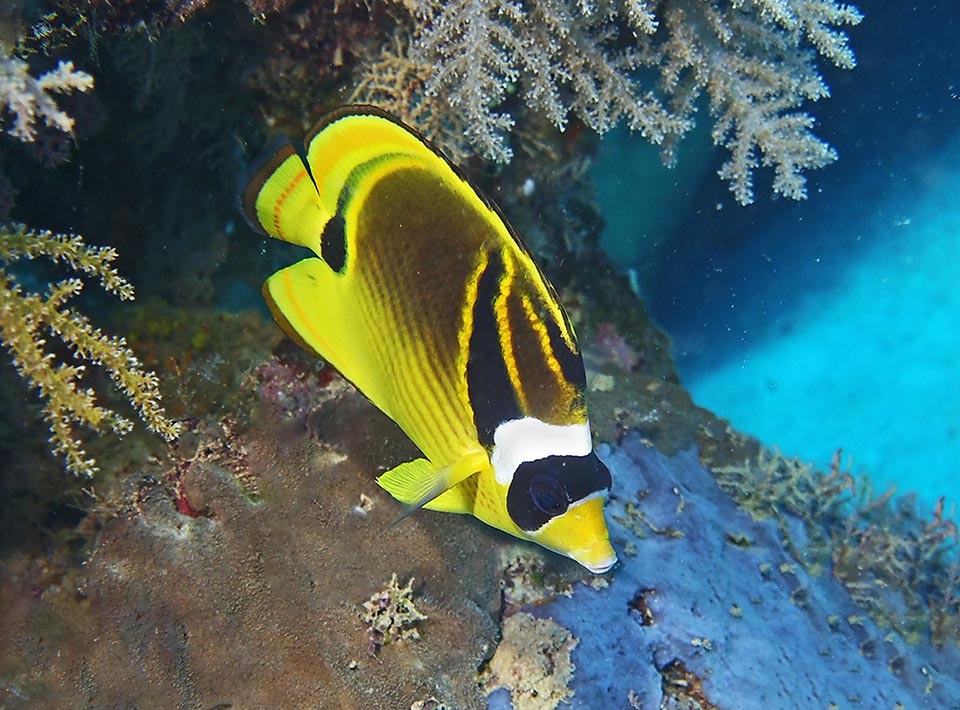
column 581, row 534
column 598, row 557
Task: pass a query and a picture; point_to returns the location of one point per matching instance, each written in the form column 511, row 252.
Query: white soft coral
column 30, row 99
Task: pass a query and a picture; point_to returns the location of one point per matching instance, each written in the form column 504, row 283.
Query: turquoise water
column 829, row 323
column 870, row 365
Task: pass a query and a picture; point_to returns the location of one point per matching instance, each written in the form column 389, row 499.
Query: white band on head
column 529, row 439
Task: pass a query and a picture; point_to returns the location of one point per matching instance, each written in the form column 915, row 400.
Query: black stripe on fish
column 488, row 382
column 571, row 364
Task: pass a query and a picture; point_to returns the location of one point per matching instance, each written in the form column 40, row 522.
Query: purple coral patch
column 731, row 605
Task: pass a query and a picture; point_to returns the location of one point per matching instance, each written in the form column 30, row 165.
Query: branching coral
column 653, row 65
column 560, row 54
column 37, row 119
column 776, row 486
column 395, row 81
column 646, row 63
column 30, row 99
column 752, row 60
column 900, row 568
column 26, row 317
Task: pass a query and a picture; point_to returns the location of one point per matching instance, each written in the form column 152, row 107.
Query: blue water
column 833, row 322
column 869, row 364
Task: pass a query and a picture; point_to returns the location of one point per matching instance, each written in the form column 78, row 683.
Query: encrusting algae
column 533, row 662
column 899, row 567
column 390, row 615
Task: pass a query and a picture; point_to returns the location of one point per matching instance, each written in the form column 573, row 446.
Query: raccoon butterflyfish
column 423, row 297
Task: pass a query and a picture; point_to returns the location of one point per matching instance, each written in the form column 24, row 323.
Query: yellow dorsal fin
column 352, row 137
column 281, row 198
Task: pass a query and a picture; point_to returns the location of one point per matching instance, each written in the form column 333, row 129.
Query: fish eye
column 549, row 495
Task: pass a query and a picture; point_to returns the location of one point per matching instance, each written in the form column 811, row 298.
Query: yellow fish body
column 424, row 298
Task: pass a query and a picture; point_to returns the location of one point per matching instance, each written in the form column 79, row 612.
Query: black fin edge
column 251, row 180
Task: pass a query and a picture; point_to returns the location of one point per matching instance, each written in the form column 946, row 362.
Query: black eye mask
column 543, row 489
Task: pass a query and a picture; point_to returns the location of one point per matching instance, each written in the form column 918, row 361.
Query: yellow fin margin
column 351, row 137
column 305, row 301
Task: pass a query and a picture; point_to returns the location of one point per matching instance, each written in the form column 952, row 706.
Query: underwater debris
column 26, row 317
column 641, row 605
column 532, row 662
column 391, row 616
column 364, row 506
column 683, row 689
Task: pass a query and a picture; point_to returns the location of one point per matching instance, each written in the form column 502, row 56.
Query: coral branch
column 900, row 568
column 756, row 60
column 30, row 99
column 25, row 317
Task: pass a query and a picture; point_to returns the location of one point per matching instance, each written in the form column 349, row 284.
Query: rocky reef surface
column 707, row 609
column 255, row 563
column 219, row 596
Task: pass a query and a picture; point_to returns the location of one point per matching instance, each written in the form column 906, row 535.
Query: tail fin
column 281, row 199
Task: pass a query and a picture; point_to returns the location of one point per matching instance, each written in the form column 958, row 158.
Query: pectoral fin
column 419, row 482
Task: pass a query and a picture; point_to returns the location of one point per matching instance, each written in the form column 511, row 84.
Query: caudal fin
column 281, row 199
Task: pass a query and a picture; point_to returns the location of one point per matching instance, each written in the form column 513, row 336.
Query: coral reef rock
column 255, row 602
column 707, row 609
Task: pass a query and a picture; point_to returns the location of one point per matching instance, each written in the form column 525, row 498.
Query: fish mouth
column 598, row 557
